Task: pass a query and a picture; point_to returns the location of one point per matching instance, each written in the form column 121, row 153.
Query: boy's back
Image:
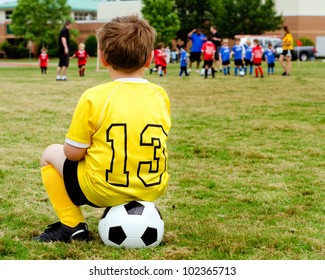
column 125, row 123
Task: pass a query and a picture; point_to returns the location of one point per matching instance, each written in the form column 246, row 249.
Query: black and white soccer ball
column 136, row 224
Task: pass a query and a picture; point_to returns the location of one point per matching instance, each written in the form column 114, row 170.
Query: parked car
column 304, row 53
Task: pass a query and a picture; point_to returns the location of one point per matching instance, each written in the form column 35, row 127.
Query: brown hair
column 126, row 43
column 286, row 29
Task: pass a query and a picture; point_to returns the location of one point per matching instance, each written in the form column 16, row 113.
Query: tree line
column 40, row 20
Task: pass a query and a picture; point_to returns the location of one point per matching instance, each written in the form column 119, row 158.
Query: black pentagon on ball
column 134, row 208
column 116, row 235
column 149, row 236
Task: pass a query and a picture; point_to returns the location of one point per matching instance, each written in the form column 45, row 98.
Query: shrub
column 91, row 45
column 306, row 41
column 15, row 51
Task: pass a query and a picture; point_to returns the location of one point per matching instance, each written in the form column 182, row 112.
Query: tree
column 39, row 20
column 198, row 13
column 230, row 16
column 162, row 15
column 249, row 17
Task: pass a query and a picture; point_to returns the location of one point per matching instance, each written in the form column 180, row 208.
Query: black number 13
column 150, row 171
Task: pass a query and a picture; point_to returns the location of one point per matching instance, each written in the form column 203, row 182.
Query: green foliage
column 198, row 13
column 39, row 20
column 91, row 45
column 306, row 41
column 249, row 17
column 13, row 51
column 162, row 15
column 230, row 16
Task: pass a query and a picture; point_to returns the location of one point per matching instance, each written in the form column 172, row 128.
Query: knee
column 49, row 153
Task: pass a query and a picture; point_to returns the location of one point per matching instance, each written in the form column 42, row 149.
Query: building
column 89, row 15
column 305, row 18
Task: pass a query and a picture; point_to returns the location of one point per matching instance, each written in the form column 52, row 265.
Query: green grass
column 246, row 159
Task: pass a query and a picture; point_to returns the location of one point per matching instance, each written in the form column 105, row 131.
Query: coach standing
column 197, row 39
column 64, row 43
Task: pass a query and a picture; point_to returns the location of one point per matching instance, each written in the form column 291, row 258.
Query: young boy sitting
column 115, row 149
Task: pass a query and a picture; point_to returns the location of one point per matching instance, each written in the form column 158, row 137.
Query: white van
column 264, row 40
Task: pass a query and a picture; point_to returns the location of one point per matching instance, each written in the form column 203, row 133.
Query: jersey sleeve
column 82, row 126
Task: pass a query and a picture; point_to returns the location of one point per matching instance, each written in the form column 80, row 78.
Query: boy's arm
column 73, row 153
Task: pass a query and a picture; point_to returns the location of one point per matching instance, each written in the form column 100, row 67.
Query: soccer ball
column 135, row 224
column 241, row 73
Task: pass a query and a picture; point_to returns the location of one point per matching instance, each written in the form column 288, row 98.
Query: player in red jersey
column 43, row 60
column 161, row 59
column 208, row 51
column 82, row 59
column 257, row 56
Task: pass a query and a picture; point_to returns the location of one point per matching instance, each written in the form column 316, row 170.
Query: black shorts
column 225, row 62
column 216, row 55
column 238, row 62
column 287, row 53
column 248, row 62
column 270, row 64
column 63, row 60
column 70, row 177
column 195, row 56
column 81, row 65
column 208, row 63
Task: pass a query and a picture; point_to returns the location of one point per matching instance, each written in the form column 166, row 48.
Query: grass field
column 246, row 159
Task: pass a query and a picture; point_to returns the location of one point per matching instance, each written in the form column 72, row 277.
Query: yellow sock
column 68, row 213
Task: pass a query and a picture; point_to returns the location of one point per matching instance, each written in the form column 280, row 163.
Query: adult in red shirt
column 208, row 51
column 257, row 56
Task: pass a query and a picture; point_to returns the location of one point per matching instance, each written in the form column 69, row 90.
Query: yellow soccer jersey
column 287, row 42
column 125, row 125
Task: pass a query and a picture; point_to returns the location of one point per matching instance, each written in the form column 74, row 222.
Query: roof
column 76, row 5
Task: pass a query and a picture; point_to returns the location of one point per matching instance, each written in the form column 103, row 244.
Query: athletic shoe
column 61, row 232
column 284, row 74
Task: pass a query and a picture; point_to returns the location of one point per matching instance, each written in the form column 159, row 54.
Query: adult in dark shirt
column 216, row 39
column 64, row 42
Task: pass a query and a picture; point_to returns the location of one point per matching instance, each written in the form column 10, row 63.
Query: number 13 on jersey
column 148, row 155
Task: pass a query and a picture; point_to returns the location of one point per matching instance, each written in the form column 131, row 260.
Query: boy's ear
column 102, row 59
column 148, row 62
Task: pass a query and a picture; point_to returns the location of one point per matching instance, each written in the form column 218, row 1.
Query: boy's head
column 126, row 43
column 81, row 46
column 257, row 42
column 225, row 42
column 237, row 41
column 270, row 45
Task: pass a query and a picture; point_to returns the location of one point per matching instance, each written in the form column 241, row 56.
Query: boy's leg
column 52, row 162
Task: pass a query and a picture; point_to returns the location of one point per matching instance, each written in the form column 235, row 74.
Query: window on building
column 85, row 16
column 8, row 14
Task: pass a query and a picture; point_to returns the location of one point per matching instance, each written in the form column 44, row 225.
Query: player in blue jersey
column 270, row 59
column 224, row 57
column 237, row 51
column 197, row 38
column 248, row 57
column 183, row 62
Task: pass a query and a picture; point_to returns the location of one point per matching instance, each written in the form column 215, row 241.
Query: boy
column 115, row 148
column 270, row 59
column 257, row 55
column 248, row 57
column 183, row 62
column 237, row 51
column 43, row 60
column 82, row 59
column 208, row 51
column 224, row 57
